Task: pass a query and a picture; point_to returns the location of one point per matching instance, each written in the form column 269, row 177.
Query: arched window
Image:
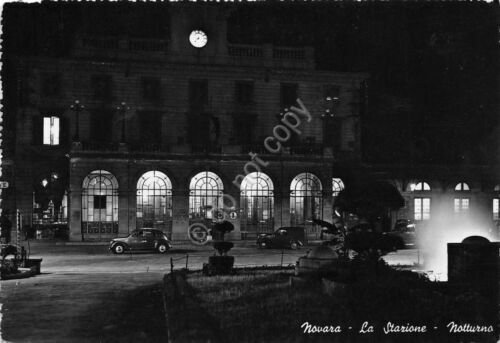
column 461, row 204
column 462, row 187
column 205, row 195
column 337, row 186
column 421, row 204
column 420, row 186
column 305, row 199
column 257, row 203
column 154, row 201
column 99, row 205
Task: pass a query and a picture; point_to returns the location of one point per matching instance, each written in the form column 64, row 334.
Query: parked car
column 141, row 240
column 404, row 232
column 284, row 237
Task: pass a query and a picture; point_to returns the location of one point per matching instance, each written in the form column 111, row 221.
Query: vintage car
column 284, row 237
column 141, row 240
column 403, row 233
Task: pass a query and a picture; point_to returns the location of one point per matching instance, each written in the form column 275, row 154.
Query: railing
column 149, row 147
column 245, row 51
column 99, row 146
column 307, row 149
column 100, row 43
column 147, row 45
column 310, row 149
column 298, row 54
column 134, row 44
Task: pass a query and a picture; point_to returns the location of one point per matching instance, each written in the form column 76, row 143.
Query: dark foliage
column 220, row 229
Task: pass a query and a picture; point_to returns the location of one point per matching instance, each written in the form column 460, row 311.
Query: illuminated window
column 337, row 186
column 422, row 208
column 205, row 195
column 257, row 203
column 99, row 205
column 305, row 199
column 51, row 130
column 496, row 203
column 154, row 201
column 461, row 205
column 462, row 187
column 420, row 186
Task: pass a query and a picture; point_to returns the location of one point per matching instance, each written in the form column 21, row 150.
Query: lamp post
column 77, row 107
column 327, row 116
column 122, row 108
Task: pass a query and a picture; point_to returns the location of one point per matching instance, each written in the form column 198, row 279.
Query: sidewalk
column 83, row 308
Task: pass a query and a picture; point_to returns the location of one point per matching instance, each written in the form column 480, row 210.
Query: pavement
column 87, row 294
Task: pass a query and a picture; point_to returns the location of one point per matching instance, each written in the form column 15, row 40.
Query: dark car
column 284, row 237
column 404, row 232
column 141, row 240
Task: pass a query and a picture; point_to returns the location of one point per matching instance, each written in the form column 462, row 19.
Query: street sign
column 4, row 184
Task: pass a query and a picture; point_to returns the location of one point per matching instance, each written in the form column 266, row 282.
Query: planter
column 219, row 265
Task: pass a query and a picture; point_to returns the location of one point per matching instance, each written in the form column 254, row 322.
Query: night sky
column 434, row 85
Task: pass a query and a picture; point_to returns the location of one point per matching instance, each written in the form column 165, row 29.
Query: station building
column 127, row 132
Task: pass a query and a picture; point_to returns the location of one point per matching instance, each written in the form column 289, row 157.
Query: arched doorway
column 99, row 206
column 205, row 197
column 306, row 202
column 257, row 204
column 154, row 201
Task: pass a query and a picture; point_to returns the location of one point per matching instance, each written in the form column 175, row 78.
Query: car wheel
column 118, row 249
column 294, row 245
column 262, row 245
column 162, row 248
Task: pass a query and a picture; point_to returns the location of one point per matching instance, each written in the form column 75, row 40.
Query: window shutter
column 63, row 131
column 37, row 130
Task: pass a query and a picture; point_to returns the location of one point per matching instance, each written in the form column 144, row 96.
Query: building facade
column 128, row 132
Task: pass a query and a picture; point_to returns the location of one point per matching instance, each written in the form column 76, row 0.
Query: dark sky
column 433, row 65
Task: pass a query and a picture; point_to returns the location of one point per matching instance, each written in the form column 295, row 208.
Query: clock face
column 198, row 39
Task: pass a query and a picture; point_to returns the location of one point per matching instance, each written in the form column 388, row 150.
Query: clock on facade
column 198, row 38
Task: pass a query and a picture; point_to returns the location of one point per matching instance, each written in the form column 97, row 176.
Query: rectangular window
column 150, row 126
column 51, row 130
column 50, row 84
column 422, row 208
column 101, row 126
column 102, row 87
column 151, row 89
column 244, row 92
column 198, row 93
column 243, row 128
column 461, row 205
column 288, row 94
column 496, row 209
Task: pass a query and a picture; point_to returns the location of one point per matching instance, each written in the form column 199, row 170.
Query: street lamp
column 123, row 108
column 331, row 103
column 77, row 107
column 328, row 116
